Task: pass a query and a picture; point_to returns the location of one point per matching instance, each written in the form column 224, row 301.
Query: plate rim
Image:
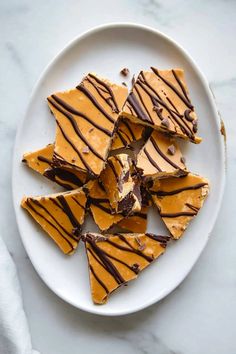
column 109, row 26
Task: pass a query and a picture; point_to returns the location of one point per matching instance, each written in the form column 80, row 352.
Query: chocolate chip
column 195, row 125
column 165, row 122
column 123, row 83
column 85, row 150
column 124, row 72
column 171, row 150
column 183, row 159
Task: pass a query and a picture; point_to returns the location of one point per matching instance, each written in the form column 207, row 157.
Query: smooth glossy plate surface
column 106, row 50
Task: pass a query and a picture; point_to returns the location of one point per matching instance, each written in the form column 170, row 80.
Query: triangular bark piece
column 116, row 259
column 60, row 215
column 179, row 200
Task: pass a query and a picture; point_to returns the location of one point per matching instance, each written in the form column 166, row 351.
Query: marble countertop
column 199, row 316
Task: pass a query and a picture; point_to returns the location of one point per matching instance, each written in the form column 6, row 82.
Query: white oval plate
column 106, row 50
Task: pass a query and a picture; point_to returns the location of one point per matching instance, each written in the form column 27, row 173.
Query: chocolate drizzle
column 176, row 191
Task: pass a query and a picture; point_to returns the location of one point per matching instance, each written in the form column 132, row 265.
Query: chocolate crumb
column 183, row 159
column 171, row 150
column 73, row 160
column 85, row 150
column 165, row 122
column 124, row 72
column 123, row 83
column 195, row 125
column 90, row 130
column 23, row 160
column 135, row 267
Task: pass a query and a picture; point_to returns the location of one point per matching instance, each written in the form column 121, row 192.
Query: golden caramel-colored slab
column 127, row 133
column 116, row 259
column 161, row 157
column 179, row 201
column 60, row 215
column 123, row 190
column 86, row 118
column 160, row 98
column 41, row 162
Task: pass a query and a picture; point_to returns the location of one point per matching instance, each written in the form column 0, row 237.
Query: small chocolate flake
column 123, row 83
column 124, row 72
column 135, row 267
column 165, row 122
column 73, row 160
column 195, row 125
column 90, row 130
column 85, row 150
column 183, row 159
column 23, row 160
column 171, row 150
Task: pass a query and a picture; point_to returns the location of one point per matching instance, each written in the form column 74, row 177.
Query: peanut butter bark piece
column 60, row 215
column 160, row 158
column 123, row 190
column 100, row 208
column 116, row 259
column 160, row 98
column 127, row 133
column 86, row 118
column 179, row 200
column 41, row 162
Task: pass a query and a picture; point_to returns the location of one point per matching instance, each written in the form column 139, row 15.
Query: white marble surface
column 199, row 317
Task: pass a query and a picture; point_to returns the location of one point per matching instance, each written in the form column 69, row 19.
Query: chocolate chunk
column 171, row 150
column 124, row 72
column 125, row 205
column 165, row 122
column 183, row 159
column 85, row 150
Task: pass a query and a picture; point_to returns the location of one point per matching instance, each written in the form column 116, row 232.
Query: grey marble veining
column 199, row 316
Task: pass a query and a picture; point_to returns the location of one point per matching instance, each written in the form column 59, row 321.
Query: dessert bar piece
column 60, row 215
column 100, row 208
column 127, row 133
column 41, row 162
column 160, row 157
column 123, row 190
column 179, row 200
column 116, row 259
column 86, row 118
column 159, row 98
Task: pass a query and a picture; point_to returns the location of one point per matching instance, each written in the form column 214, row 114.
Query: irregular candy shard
column 86, row 118
column 155, row 160
column 179, row 201
column 160, row 98
column 41, row 162
column 60, row 215
column 116, row 259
